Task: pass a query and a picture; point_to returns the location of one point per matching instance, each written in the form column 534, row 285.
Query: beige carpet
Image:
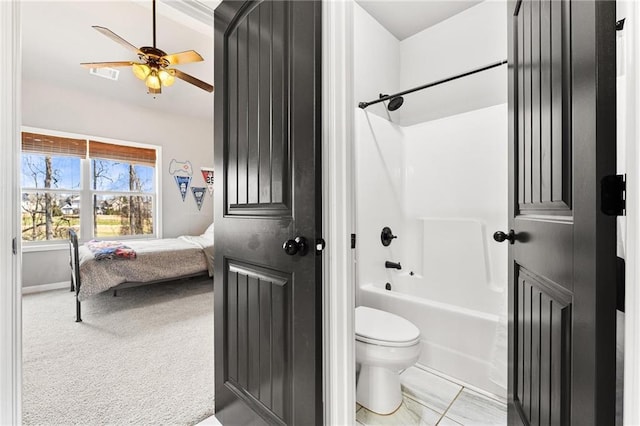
column 144, row 357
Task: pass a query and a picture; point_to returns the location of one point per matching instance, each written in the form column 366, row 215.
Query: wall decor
column 207, row 175
column 198, row 193
column 183, row 184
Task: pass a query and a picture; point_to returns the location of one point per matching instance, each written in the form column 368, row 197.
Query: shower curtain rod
column 363, row 105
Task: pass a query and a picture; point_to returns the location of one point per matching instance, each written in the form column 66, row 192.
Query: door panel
column 562, row 142
column 542, row 36
column 257, row 326
column 259, row 176
column 267, row 151
column 543, row 368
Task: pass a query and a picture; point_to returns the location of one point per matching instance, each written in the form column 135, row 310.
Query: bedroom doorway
column 162, row 333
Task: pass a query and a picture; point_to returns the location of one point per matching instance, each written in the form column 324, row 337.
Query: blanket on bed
column 103, row 250
column 156, row 259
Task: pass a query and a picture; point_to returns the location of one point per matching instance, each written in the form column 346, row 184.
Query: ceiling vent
column 108, row 73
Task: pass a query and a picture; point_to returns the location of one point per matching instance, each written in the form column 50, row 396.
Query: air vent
column 108, row 73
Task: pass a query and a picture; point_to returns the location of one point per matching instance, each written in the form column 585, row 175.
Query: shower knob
column 500, row 236
column 296, row 246
column 386, row 236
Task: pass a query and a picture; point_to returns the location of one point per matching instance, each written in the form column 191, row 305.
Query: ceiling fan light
column 152, row 81
column 166, row 78
column 141, row 70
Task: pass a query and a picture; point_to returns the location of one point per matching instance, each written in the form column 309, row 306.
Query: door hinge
column 353, row 241
column 14, row 246
column 612, row 195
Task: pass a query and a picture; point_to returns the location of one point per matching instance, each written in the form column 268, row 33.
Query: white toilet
column 385, row 345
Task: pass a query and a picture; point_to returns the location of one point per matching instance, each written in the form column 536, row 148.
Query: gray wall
column 181, row 137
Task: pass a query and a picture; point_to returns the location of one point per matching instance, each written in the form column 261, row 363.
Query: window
column 100, row 189
column 51, row 169
column 122, row 184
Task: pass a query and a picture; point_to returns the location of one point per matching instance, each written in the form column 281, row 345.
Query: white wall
column 396, row 163
column 181, row 137
column 471, row 39
column 468, row 40
column 379, row 159
column 376, row 61
column 442, row 188
column 456, row 198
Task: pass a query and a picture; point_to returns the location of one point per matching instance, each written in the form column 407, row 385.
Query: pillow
column 209, row 232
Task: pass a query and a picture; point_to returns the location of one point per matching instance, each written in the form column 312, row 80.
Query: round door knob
column 501, row 236
column 296, row 246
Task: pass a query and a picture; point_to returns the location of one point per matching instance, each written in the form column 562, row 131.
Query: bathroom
column 434, row 171
column 431, row 173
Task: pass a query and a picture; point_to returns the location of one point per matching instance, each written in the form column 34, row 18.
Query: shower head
column 395, row 103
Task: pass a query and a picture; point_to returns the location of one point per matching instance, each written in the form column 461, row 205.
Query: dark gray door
column 268, row 335
column 562, row 264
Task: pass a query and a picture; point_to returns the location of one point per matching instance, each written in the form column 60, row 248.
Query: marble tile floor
column 432, row 400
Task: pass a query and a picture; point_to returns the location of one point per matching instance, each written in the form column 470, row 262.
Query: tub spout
column 392, row 265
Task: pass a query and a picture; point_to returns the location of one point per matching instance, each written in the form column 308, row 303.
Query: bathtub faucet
column 392, row 265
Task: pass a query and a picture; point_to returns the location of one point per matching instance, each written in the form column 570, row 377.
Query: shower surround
column 441, row 187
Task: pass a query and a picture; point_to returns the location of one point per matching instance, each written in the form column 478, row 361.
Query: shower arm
column 363, row 105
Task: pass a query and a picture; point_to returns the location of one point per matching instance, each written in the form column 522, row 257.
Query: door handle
column 296, row 246
column 500, row 236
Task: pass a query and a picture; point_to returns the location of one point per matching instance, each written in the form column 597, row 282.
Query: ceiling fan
column 154, row 68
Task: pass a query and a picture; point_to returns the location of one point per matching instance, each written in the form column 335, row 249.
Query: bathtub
column 467, row 345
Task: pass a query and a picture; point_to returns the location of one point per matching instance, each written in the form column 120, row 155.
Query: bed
column 153, row 261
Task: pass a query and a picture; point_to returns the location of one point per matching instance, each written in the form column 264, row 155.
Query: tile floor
column 432, row 400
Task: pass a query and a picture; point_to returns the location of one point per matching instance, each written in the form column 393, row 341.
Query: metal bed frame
column 76, row 282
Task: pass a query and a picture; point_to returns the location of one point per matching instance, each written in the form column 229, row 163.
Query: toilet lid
column 376, row 326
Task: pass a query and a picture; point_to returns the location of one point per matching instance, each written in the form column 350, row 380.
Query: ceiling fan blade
column 183, row 57
column 115, row 37
column 106, row 64
column 190, row 79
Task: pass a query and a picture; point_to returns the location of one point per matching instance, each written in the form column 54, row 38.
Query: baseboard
column 45, row 287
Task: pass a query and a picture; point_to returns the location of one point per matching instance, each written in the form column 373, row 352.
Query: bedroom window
column 100, row 189
column 122, row 186
column 50, row 180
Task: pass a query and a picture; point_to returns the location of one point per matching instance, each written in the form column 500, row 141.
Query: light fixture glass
column 141, row 70
column 166, row 78
column 152, row 81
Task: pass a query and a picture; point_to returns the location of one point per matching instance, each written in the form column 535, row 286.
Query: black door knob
column 501, row 236
column 296, row 246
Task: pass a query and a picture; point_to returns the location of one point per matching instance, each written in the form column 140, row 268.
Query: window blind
column 129, row 154
column 53, row 145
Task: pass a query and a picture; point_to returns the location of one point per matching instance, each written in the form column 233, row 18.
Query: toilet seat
column 384, row 328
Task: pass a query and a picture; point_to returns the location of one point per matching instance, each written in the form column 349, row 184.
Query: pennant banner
column 198, row 194
column 207, row 175
column 183, row 184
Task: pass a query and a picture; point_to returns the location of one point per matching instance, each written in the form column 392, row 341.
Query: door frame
column 632, row 273
column 10, row 264
column 338, row 212
column 338, row 219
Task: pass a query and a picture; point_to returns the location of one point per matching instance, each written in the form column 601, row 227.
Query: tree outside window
column 119, row 180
